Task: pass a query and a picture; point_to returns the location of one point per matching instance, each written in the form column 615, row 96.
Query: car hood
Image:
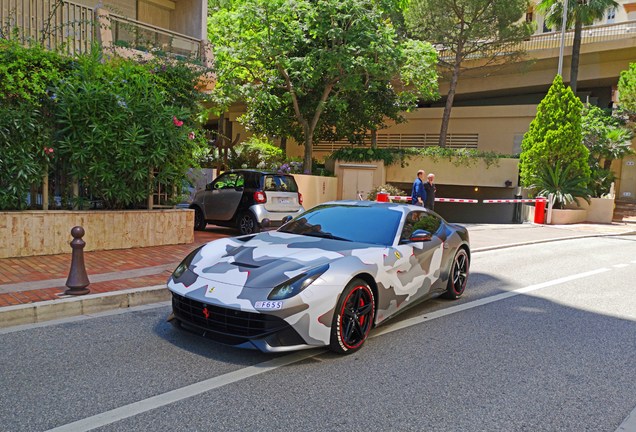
column 268, row 259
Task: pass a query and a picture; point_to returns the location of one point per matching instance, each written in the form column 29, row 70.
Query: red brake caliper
column 361, row 318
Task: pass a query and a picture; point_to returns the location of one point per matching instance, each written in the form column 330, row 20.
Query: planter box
column 568, row 216
column 448, row 173
column 599, row 210
column 28, row 233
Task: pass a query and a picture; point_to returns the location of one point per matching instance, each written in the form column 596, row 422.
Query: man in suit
column 418, row 194
column 430, row 189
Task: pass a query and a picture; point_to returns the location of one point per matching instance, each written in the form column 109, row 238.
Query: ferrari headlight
column 181, row 268
column 296, row 284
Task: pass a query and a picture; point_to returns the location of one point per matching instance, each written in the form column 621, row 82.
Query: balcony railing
column 54, row 24
column 453, row 140
column 62, row 24
column 129, row 33
column 552, row 40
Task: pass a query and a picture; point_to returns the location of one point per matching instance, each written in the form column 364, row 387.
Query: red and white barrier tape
column 457, row 200
column 496, row 201
column 470, row 201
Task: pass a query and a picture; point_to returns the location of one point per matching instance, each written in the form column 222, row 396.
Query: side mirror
column 420, row 236
column 286, row 219
column 208, row 186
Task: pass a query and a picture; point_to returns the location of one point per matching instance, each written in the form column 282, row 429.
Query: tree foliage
column 627, row 91
column 487, row 30
column 580, row 13
column 555, row 136
column 316, row 70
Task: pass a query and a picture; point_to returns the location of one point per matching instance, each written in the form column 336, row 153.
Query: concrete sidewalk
column 32, row 288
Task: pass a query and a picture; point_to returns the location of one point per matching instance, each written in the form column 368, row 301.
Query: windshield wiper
column 324, row 235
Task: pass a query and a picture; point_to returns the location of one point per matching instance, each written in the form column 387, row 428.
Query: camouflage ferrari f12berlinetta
column 324, row 278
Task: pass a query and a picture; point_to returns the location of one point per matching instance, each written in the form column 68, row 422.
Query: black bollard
column 77, row 279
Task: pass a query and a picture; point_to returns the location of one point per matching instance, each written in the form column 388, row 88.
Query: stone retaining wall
column 28, row 233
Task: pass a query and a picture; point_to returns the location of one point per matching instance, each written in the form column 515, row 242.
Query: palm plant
column 580, row 13
column 618, row 144
column 564, row 187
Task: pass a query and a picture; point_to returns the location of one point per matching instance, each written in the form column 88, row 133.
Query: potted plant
column 564, row 188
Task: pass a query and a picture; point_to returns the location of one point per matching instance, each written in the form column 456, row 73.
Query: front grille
column 231, row 325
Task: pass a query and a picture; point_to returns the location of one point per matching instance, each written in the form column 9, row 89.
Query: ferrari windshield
column 375, row 225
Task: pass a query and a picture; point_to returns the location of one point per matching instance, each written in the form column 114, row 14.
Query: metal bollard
column 77, row 279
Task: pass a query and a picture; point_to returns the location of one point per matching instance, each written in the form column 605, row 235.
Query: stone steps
column 625, row 211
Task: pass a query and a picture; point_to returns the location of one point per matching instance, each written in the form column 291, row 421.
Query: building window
column 611, row 15
column 529, row 17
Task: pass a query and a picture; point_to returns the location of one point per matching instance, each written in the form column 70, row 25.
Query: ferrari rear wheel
column 458, row 275
column 353, row 318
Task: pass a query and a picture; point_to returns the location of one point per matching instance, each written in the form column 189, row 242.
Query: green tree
column 580, row 13
column 555, row 136
column 607, row 139
column 627, row 91
column 299, row 65
column 488, row 30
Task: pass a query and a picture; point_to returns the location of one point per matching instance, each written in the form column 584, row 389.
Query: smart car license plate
column 271, row 305
column 283, row 201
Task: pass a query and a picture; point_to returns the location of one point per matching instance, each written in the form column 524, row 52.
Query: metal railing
column 54, row 24
column 62, row 24
column 129, row 33
column 552, row 40
column 454, row 140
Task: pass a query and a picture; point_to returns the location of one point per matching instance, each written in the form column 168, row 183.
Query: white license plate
column 271, row 305
column 283, row 201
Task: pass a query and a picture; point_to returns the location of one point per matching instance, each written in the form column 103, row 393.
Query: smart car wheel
column 199, row 220
column 458, row 275
column 247, row 223
column 353, row 318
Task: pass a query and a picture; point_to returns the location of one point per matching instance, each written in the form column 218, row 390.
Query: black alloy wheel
column 353, row 319
column 247, row 224
column 458, row 275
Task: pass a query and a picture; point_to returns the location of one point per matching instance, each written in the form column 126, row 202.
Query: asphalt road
column 543, row 340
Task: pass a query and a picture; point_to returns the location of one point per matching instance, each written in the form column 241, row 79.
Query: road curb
column 38, row 312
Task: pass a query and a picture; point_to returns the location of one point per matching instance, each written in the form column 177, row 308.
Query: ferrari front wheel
column 353, row 318
column 458, row 275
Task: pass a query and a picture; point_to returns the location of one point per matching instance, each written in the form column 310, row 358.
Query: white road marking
column 629, row 424
column 484, row 301
column 176, row 395
column 620, row 265
column 186, row 392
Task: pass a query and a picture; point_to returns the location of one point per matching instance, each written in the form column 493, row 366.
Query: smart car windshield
column 375, row 225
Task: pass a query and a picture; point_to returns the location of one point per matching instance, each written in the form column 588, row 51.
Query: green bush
column 118, row 124
column 117, row 128
column 24, row 138
column 390, row 189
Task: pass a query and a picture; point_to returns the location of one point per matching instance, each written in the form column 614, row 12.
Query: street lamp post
column 563, row 26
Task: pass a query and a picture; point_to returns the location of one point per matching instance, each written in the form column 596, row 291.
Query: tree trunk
column 374, row 138
column 449, row 103
column 576, row 53
column 309, row 134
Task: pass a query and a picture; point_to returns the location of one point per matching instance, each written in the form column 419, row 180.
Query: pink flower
column 48, row 150
column 191, row 135
column 177, row 122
